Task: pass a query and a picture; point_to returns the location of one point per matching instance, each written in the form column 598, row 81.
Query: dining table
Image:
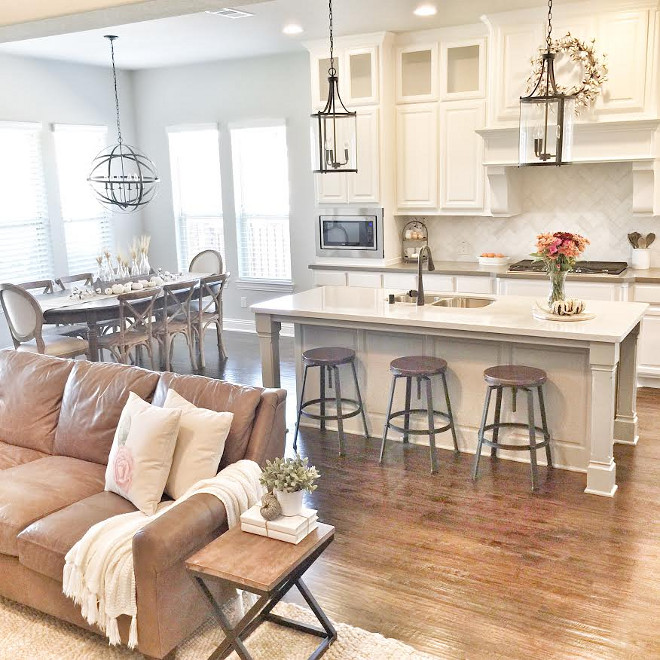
column 65, row 308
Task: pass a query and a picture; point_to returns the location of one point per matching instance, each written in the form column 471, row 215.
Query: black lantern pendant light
column 546, row 116
column 122, row 178
column 334, row 127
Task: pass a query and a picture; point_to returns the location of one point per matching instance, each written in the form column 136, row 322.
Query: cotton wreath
column 581, row 52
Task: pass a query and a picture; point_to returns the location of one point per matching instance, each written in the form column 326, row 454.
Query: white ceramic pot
column 641, row 258
column 291, row 503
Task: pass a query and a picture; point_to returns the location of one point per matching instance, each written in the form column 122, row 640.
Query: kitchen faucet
column 420, row 281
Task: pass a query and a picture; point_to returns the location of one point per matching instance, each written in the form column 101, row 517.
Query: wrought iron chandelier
column 334, row 127
column 546, row 116
column 122, row 178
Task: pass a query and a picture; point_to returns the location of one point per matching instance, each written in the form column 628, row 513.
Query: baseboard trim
column 242, row 325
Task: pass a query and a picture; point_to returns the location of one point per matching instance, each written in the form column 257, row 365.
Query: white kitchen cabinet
column 462, row 175
column 438, row 283
column 362, row 187
column 417, row 73
column 365, row 278
column 624, row 37
column 475, row 284
column 462, row 69
column 330, row 278
column 540, row 288
column 361, row 71
column 417, row 156
column 403, row 281
column 648, row 349
column 514, row 46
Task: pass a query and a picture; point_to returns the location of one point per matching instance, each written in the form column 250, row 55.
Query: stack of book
column 292, row 529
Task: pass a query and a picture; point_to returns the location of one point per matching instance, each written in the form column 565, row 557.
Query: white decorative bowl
column 494, row 261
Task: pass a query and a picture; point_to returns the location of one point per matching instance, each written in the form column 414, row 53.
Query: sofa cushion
column 94, row 397
column 220, row 396
column 33, row 490
column 31, row 388
column 11, row 455
column 43, row 545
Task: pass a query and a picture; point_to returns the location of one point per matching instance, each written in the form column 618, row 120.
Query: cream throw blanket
column 98, row 570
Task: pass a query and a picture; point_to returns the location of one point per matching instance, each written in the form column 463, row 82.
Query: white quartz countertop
column 510, row 315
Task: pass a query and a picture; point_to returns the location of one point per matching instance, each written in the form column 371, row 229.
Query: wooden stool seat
column 418, row 365
column 515, row 375
column 328, row 356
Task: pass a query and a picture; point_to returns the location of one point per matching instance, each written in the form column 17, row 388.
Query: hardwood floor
column 485, row 570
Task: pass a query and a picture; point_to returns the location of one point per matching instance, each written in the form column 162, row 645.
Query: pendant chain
column 332, row 71
column 549, row 37
column 114, row 76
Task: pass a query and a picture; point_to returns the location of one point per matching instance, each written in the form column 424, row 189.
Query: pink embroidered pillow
column 141, row 454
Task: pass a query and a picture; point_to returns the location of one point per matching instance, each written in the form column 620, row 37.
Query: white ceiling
column 204, row 37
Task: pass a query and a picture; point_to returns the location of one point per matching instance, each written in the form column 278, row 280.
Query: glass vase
column 145, row 267
column 557, row 282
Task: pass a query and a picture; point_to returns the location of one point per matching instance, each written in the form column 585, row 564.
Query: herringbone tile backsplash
column 592, row 200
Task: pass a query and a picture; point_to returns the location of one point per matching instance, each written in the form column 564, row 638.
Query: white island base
column 591, row 366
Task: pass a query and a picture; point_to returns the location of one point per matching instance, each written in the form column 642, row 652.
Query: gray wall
column 274, row 87
column 55, row 92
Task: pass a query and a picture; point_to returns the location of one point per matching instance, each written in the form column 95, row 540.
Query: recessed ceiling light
column 292, row 28
column 426, row 10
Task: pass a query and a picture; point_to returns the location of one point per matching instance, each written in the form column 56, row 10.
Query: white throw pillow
column 141, row 454
column 199, row 447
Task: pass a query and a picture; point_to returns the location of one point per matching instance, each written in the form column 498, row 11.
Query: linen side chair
column 176, row 319
column 24, row 318
column 135, row 329
column 209, row 312
column 208, row 262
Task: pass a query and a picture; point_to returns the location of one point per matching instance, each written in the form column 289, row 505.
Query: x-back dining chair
column 135, row 329
column 25, row 320
column 209, row 312
column 86, row 279
column 45, row 285
column 175, row 320
column 206, row 261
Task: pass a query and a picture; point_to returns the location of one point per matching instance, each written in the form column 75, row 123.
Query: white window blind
column 261, row 188
column 25, row 248
column 196, row 191
column 87, row 225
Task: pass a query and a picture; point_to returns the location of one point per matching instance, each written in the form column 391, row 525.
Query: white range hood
column 634, row 142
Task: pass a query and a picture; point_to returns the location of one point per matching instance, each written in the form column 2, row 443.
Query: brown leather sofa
column 57, row 422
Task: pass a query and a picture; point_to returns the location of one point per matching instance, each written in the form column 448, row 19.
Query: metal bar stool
column 329, row 361
column 516, row 377
column 422, row 368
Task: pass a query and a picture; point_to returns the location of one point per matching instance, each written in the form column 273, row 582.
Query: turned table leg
column 93, row 339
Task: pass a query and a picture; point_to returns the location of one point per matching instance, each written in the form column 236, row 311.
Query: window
column 25, row 252
column 261, row 189
column 87, row 225
column 196, row 191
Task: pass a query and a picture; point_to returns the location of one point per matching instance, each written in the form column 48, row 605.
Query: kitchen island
column 591, row 365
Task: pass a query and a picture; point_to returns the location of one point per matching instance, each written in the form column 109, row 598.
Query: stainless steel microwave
column 350, row 233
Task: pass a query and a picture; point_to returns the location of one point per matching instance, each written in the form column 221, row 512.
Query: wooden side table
column 268, row 568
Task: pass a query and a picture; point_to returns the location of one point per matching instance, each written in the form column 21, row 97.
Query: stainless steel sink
column 438, row 300
column 465, row 302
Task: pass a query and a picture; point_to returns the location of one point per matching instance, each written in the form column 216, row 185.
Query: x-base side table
column 268, row 568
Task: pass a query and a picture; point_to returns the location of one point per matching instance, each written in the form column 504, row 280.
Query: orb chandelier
column 334, row 128
column 122, row 178
column 546, row 116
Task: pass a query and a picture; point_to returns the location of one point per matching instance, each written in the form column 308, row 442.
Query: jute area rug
column 26, row 634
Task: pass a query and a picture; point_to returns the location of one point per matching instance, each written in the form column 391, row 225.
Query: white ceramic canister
column 641, row 259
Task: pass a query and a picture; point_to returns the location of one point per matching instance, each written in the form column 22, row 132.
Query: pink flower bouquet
column 560, row 250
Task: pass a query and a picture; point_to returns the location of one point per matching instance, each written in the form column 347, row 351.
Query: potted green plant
column 288, row 479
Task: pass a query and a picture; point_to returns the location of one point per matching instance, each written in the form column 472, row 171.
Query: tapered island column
column 268, row 332
column 625, row 422
column 601, row 471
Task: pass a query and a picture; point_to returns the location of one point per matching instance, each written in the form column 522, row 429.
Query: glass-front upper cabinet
column 417, row 73
column 463, row 69
column 358, row 72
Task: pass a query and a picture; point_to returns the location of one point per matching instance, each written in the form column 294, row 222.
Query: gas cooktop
column 584, row 267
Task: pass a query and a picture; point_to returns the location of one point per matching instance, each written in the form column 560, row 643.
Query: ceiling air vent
column 229, row 12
